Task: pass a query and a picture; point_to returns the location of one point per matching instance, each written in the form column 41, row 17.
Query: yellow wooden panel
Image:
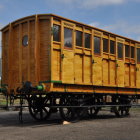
column 112, row 73
column 120, row 73
column 5, row 73
column 97, row 71
column 87, row 69
column 105, row 71
column 15, row 62
column 56, row 65
column 138, row 76
column 78, row 68
column 44, row 39
column 68, row 67
column 133, row 75
column 24, row 54
column 127, row 75
column 32, row 46
column 56, row 45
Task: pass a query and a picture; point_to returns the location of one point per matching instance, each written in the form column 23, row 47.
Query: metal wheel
column 37, row 108
column 67, row 113
column 121, row 111
column 92, row 112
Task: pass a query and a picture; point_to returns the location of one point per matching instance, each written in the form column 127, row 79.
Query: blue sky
column 117, row 16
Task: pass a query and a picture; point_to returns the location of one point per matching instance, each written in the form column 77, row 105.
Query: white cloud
column 91, row 3
column 95, row 24
column 1, row 6
column 97, row 3
column 88, row 4
column 125, row 27
column 121, row 27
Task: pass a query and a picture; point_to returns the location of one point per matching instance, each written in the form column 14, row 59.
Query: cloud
column 124, row 26
column 95, row 24
column 89, row 4
column 97, row 3
column 1, row 6
column 121, row 27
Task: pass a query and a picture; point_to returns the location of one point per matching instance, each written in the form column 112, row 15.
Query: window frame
column 81, row 40
column 98, row 54
column 89, row 41
column 107, row 45
column 122, row 50
column 72, row 41
column 25, row 40
column 59, row 33
column 131, row 52
column 114, row 47
column 128, row 50
column 138, row 62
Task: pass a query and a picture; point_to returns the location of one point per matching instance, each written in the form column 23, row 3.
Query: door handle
column 93, row 61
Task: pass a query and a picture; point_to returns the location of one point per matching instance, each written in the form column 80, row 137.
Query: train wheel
column 67, row 113
column 37, row 108
column 121, row 111
column 92, row 112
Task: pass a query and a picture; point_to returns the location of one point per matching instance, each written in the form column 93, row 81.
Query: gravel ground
column 104, row 127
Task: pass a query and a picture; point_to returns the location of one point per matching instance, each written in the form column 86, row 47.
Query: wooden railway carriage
column 50, row 59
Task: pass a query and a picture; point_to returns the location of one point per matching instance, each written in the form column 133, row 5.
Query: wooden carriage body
column 68, row 56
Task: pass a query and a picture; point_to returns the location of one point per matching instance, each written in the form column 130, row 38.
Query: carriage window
column 97, row 41
column 112, row 47
column 120, row 50
column 25, row 40
column 87, row 40
column 56, row 33
column 127, row 51
column 138, row 55
column 132, row 52
column 105, row 45
column 78, row 38
column 68, row 37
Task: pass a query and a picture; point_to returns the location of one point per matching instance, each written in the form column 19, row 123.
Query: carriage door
column 97, row 60
column 68, row 54
column 120, row 63
column 138, row 67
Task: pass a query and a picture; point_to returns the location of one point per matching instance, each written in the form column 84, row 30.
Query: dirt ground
column 104, row 127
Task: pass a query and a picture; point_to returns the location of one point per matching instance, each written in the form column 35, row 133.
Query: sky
column 117, row 16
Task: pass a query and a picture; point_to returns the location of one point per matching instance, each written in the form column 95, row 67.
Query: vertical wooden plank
column 105, row 72
column 120, row 73
column 133, row 73
column 92, row 54
column 68, row 69
column 37, row 50
column 56, row 65
column 97, row 71
column 10, row 56
column 28, row 54
column 51, row 50
column 138, row 76
column 20, row 53
column 62, row 48
column 127, row 77
column 112, row 72
column 87, row 69
column 32, row 51
column 78, row 68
